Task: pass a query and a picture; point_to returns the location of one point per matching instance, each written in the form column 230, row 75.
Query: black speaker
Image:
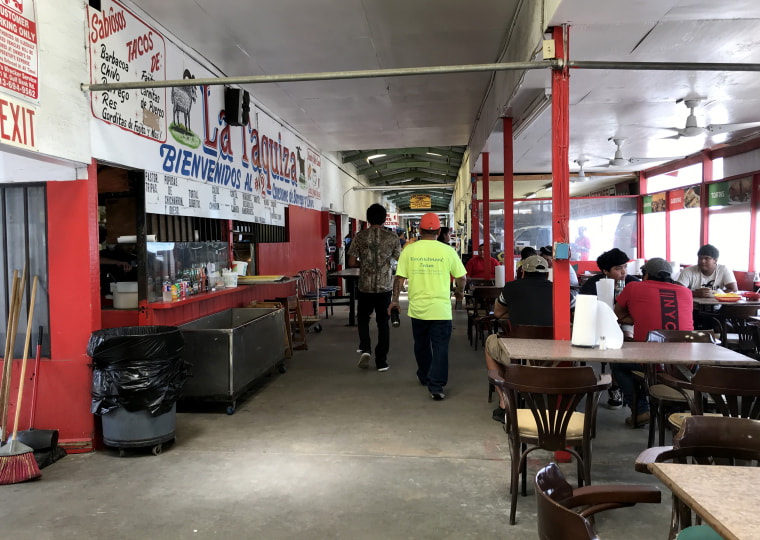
column 237, row 106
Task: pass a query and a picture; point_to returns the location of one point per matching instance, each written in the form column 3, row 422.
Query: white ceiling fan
column 580, row 176
column 692, row 129
column 619, row 161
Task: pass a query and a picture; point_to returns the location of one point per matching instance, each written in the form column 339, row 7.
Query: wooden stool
column 294, row 311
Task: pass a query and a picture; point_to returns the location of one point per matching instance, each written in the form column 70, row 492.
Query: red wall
column 305, row 250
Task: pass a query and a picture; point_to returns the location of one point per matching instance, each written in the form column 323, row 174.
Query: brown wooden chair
column 556, row 502
column 664, row 395
column 295, row 321
column 549, row 420
column 731, row 391
column 480, row 319
column 520, row 331
column 705, row 440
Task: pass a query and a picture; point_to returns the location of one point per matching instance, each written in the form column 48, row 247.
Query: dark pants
column 377, row 302
column 626, row 382
column 431, row 350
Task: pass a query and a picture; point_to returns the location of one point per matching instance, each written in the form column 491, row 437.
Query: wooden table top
column 725, row 497
column 713, row 302
column 644, row 353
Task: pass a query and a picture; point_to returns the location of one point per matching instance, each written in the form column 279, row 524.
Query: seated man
column 655, row 303
column 523, row 301
column 613, row 264
column 707, row 276
column 476, row 266
column 524, row 254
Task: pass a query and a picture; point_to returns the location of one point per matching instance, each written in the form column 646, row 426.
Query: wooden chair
column 556, row 502
column 705, row 440
column 733, row 391
column 549, row 421
column 480, row 320
column 663, row 394
column 520, row 331
column 278, row 305
column 295, row 318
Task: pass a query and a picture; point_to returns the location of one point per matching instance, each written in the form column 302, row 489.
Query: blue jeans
column 431, row 350
column 377, row 302
column 626, row 382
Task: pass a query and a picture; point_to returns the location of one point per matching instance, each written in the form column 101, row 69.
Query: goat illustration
column 183, row 98
column 301, row 160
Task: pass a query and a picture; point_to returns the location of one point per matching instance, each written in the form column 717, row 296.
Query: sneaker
column 438, row 396
column 615, row 400
column 498, row 414
column 641, row 419
column 386, row 367
column 364, row 360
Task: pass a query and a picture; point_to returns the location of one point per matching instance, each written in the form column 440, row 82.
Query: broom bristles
column 18, row 468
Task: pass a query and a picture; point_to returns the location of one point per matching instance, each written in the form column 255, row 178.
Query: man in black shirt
column 523, row 301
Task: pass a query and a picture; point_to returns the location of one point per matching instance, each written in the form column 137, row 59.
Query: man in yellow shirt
column 429, row 265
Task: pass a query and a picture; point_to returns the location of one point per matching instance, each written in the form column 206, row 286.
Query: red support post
column 561, row 185
column 475, row 215
column 486, row 216
column 509, row 218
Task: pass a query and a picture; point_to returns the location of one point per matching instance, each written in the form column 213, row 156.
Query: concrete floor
column 326, row 451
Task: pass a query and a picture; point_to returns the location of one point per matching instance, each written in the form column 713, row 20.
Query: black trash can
column 138, row 373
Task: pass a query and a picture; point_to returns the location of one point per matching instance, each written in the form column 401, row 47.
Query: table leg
column 351, row 302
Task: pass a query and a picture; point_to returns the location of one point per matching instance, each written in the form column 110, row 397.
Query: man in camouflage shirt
column 372, row 251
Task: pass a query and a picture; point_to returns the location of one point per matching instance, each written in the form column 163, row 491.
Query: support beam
column 509, row 217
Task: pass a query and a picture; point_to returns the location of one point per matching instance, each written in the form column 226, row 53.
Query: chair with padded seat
column 663, row 394
column 727, row 390
column 556, row 503
column 705, row 440
column 549, row 420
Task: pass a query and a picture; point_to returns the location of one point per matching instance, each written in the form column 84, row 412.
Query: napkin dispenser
column 593, row 321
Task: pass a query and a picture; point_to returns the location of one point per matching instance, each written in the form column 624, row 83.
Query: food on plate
column 691, row 198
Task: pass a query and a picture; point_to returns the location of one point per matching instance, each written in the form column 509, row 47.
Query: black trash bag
column 136, row 367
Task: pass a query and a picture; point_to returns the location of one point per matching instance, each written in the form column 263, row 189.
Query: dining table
column 725, row 497
column 632, row 351
column 351, row 275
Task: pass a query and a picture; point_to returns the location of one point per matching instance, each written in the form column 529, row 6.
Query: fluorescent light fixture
column 533, row 112
column 531, row 195
column 420, row 214
column 375, row 157
column 430, row 187
column 548, row 187
column 433, row 154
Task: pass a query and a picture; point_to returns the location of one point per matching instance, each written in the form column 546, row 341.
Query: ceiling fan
column 619, row 161
column 580, row 176
column 693, row 130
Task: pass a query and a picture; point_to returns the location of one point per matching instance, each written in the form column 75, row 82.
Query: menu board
column 177, row 196
column 18, row 48
column 124, row 49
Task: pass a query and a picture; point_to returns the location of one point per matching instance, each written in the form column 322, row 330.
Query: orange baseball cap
column 430, row 222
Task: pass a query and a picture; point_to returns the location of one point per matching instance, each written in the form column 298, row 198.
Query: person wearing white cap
column 428, row 266
column 656, row 303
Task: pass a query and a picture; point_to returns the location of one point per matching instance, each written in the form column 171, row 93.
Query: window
column 23, row 215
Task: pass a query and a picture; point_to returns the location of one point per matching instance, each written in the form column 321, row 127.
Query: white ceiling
column 302, row 36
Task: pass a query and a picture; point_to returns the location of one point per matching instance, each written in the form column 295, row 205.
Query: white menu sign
column 125, row 49
column 177, row 196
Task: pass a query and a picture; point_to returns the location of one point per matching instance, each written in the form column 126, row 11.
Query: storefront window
column 680, row 178
column 684, row 235
column 729, row 220
column 654, row 235
column 23, row 215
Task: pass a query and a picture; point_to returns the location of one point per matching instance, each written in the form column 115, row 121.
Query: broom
column 17, row 463
column 10, row 341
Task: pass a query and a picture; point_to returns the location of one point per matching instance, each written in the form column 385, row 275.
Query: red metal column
column 486, row 216
column 754, row 201
column 640, row 217
column 707, row 176
column 475, row 215
column 561, row 185
column 509, row 218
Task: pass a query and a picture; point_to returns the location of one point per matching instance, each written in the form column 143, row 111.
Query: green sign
column 717, row 194
column 647, row 204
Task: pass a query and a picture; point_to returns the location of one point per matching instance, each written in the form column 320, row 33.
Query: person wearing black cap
column 613, row 264
column 707, row 276
column 655, row 303
column 429, row 265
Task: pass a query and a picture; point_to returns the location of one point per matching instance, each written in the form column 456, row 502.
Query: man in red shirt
column 655, row 303
column 476, row 266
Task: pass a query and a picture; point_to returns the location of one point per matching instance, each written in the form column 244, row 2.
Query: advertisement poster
column 196, row 163
column 737, row 191
column 18, row 48
column 658, row 202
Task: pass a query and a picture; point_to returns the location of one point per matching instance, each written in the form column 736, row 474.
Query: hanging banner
column 18, row 48
column 200, row 165
column 676, row 199
column 647, row 204
column 691, row 197
column 658, row 202
column 717, row 194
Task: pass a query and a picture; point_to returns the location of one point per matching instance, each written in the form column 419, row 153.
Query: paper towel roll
column 607, row 326
column 584, row 322
column 605, row 291
column 500, row 276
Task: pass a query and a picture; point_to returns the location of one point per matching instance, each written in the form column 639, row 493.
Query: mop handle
column 36, row 377
column 23, row 360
